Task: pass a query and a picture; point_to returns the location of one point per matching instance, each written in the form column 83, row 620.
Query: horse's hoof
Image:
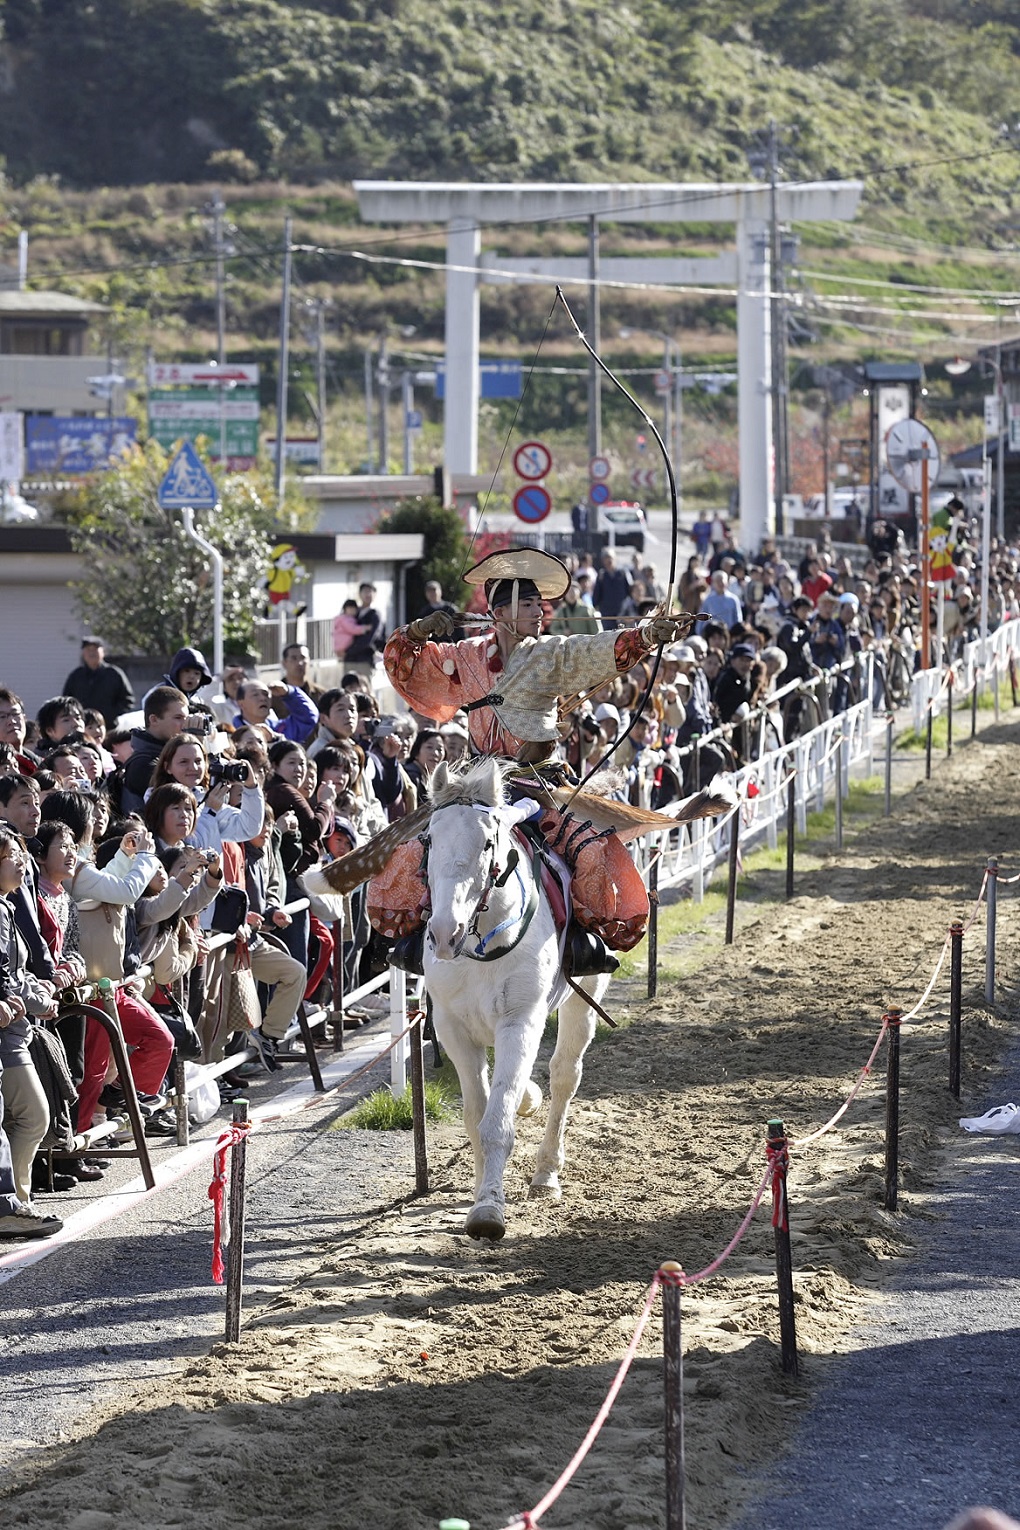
column 531, row 1099
column 544, row 1190
column 485, row 1221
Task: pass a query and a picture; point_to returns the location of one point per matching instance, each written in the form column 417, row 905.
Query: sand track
column 418, row 1374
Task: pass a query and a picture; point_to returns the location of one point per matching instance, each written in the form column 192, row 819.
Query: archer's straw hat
column 520, row 565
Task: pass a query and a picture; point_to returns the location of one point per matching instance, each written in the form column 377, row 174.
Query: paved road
column 921, row 1420
column 133, row 1298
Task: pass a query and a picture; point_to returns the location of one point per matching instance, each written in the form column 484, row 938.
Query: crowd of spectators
column 124, row 851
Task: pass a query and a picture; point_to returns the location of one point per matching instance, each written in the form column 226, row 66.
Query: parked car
column 622, row 523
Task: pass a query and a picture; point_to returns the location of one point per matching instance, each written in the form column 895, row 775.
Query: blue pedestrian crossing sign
column 188, row 484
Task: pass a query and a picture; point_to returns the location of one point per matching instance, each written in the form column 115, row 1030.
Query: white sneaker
column 28, row 1222
column 1000, row 1121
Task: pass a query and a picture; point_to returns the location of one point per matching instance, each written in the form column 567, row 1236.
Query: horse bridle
column 495, row 877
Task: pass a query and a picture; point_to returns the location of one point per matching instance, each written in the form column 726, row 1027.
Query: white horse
column 493, row 973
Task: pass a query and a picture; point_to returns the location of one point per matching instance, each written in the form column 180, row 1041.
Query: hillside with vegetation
column 140, row 90
column 120, row 120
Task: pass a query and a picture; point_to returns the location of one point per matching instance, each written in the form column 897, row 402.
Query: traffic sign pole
column 216, row 559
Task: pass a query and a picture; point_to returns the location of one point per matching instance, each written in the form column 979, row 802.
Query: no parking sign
column 532, row 503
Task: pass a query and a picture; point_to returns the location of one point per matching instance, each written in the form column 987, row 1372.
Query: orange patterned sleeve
column 436, row 679
column 629, row 649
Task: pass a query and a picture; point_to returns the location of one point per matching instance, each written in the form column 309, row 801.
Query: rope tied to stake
column 234, row 1134
column 778, row 1155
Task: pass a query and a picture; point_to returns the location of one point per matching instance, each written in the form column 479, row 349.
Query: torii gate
column 465, row 207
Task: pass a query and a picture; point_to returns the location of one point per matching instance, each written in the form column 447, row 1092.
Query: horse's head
column 463, row 848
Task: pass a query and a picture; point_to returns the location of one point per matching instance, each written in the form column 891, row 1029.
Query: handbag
column 244, row 1012
column 230, row 910
column 178, row 1022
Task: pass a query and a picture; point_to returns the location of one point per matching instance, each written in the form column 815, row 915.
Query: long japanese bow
column 675, row 522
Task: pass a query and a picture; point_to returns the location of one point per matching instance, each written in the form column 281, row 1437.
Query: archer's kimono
column 437, row 679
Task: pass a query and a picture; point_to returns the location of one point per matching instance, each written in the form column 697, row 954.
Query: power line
column 706, row 194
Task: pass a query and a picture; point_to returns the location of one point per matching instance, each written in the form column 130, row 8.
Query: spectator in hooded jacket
column 188, row 672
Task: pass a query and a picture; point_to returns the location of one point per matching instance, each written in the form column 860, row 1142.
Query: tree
column 447, row 551
column 147, row 586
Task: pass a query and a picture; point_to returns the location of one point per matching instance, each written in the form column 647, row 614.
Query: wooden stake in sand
column 235, row 1251
column 892, row 1111
column 671, row 1276
column 955, row 1003
column 778, row 1157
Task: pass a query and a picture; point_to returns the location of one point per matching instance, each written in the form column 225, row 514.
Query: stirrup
column 588, row 954
column 408, row 952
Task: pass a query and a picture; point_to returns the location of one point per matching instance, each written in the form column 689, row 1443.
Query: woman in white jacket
column 185, row 761
column 102, row 896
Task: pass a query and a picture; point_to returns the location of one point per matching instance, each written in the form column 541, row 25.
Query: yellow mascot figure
column 285, row 570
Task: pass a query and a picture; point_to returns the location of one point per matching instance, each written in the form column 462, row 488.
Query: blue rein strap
column 507, row 923
column 529, row 905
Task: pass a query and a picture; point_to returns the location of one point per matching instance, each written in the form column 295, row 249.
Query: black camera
column 230, row 771
column 589, row 727
column 198, row 722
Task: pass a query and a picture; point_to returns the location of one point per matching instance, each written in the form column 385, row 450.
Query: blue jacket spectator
column 256, row 701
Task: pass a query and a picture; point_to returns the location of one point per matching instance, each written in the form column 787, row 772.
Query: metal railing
column 270, row 638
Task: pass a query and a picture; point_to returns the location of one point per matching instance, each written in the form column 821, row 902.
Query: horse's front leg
column 574, row 1032
column 469, row 1059
column 517, row 1041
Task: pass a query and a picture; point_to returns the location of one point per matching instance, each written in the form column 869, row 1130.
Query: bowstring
column 671, row 588
column 509, row 435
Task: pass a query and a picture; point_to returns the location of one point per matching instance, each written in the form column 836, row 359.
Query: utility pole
column 677, row 443
column 777, row 317
column 595, row 336
column 1000, row 462
column 667, row 396
column 384, row 403
column 369, row 413
column 284, row 365
column 320, row 379
column 407, row 404
column 219, row 208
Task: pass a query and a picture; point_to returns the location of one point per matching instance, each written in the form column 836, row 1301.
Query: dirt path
column 418, row 1375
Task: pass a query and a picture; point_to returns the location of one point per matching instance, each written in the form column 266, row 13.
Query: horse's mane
column 480, row 781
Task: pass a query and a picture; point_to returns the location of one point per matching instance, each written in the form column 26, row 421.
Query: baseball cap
column 605, row 711
column 848, row 599
column 743, row 651
column 683, row 653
